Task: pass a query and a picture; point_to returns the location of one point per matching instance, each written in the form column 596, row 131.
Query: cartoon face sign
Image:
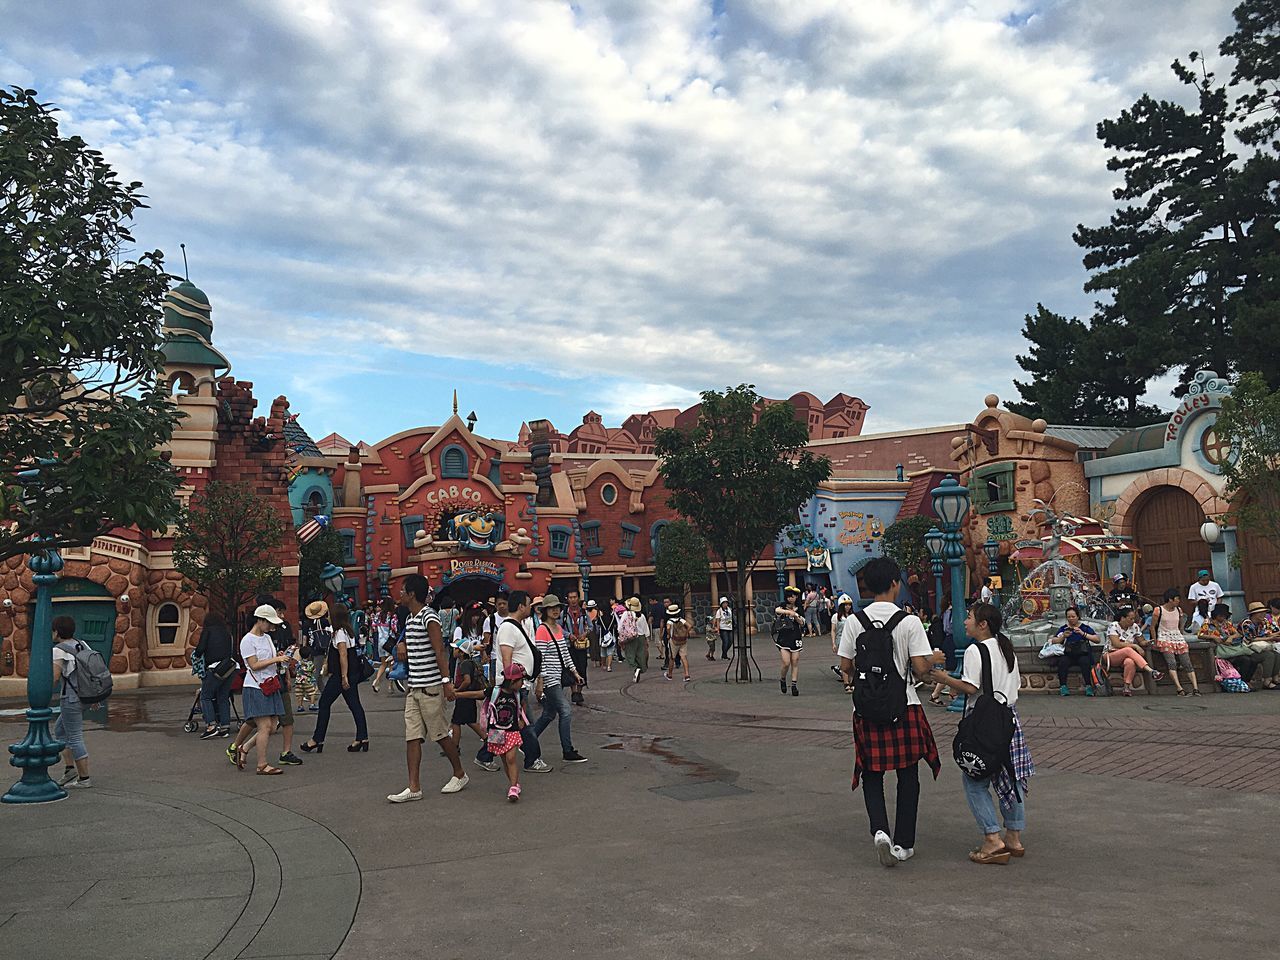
column 474, row 530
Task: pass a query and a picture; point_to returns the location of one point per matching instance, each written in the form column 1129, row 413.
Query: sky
column 553, row 207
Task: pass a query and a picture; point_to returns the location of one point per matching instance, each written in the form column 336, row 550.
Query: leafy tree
column 315, row 553
column 682, row 558
column 739, row 475
column 1250, row 422
column 903, row 542
column 226, row 546
column 80, row 339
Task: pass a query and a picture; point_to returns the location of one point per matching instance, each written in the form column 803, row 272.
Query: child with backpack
column 468, row 688
column 990, row 748
column 506, row 720
column 879, row 645
column 678, row 631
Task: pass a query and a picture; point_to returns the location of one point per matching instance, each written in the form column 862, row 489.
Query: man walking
column 514, row 643
column 424, row 711
column 723, row 620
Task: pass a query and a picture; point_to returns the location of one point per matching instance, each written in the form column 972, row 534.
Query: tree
column 682, row 558
column 1255, row 45
column 1250, row 422
column 903, row 542
column 227, row 544
column 80, row 339
column 739, row 475
column 324, row 548
column 1054, row 390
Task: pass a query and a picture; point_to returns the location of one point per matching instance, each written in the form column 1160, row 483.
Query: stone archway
column 1142, row 488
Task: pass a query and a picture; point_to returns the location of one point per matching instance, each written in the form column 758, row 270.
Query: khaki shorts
column 424, row 717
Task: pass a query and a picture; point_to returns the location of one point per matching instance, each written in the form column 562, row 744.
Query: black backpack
column 984, row 737
column 879, row 690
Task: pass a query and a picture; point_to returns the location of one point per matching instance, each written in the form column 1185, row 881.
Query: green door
column 95, row 622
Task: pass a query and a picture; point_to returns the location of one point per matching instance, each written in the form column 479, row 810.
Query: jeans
column 978, row 793
column 904, row 833
column 532, row 749
column 215, row 699
column 726, row 642
column 1079, row 658
column 333, row 690
column 70, row 726
column 556, row 703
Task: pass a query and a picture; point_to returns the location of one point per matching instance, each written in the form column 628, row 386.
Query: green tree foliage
column 1250, row 422
column 80, row 338
column 903, row 542
column 326, row 547
column 682, row 557
column 226, row 546
column 1255, row 46
column 739, row 475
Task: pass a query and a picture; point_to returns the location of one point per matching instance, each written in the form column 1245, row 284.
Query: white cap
column 268, row 613
column 724, row 599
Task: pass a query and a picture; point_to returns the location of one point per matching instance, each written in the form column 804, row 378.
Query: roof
column 917, row 502
column 335, row 443
column 1088, row 438
column 298, row 441
column 1144, row 438
column 184, row 349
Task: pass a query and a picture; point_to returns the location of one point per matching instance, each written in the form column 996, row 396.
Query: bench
column 1041, row 676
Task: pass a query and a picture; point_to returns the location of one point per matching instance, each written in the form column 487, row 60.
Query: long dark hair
column 340, row 619
column 989, row 614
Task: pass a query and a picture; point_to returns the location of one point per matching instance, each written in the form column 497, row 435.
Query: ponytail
column 1006, row 648
column 989, row 614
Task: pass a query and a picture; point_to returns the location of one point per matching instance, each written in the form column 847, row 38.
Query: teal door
column 95, row 622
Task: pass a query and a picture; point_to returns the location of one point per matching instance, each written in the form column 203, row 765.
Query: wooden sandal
column 1001, row 856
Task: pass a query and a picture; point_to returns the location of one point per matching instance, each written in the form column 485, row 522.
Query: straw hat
column 1257, row 607
column 634, row 605
column 316, row 609
column 550, row 600
column 673, row 610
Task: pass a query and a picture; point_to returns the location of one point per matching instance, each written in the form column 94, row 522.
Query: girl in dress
column 506, row 720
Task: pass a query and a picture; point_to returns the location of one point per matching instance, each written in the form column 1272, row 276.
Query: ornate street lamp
column 384, row 579
column 992, row 549
column 934, row 541
column 951, row 504
column 584, row 572
column 780, row 568
column 334, row 579
column 38, row 750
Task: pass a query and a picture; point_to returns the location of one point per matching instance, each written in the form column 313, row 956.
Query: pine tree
column 1054, row 390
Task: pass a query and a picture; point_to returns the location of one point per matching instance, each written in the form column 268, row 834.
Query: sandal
column 1015, row 851
column 1183, row 693
column 935, row 699
column 1195, row 692
column 242, row 755
column 267, row 770
column 1001, row 856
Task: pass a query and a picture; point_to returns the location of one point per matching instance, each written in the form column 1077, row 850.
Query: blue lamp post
column 951, row 504
column 384, row 579
column 992, row 549
column 934, row 542
column 584, row 572
column 780, row 568
column 39, row 750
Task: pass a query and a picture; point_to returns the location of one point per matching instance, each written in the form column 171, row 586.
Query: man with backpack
column 880, row 646
column 83, row 678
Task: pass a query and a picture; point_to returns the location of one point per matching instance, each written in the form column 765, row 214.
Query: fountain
column 1039, row 607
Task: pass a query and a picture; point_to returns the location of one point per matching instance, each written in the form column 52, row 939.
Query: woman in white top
column 261, row 696
column 844, row 610
column 344, row 682
column 983, row 625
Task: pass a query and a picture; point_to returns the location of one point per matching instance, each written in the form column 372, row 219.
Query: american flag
column 311, row 529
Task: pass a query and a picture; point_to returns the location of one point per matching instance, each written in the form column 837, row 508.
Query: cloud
column 638, row 199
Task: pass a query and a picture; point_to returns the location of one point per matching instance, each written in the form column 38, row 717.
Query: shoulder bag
column 567, row 677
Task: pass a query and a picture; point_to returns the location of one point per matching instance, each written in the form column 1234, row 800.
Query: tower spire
column 455, row 401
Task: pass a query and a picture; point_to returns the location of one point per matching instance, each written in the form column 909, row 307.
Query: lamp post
column 934, row 542
column 951, row 504
column 780, row 568
column 38, row 750
column 584, row 573
column 384, row 579
column 992, row 549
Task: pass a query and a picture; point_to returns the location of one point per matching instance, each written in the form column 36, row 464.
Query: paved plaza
column 713, row 820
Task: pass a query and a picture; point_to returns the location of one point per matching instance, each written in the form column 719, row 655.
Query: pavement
column 713, row 820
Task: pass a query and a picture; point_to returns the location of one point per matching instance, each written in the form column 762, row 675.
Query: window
column 591, row 537
column 167, row 619
column 655, row 536
column 993, row 488
column 348, row 547
column 453, row 463
column 609, row 494
column 560, row 537
column 629, row 532
column 314, row 504
column 409, row 527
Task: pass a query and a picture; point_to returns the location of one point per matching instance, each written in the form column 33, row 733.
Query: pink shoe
column 514, row 793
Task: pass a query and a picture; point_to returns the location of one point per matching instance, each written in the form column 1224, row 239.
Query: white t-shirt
column 509, row 635
column 1003, row 680
column 987, row 594
column 263, row 648
column 66, row 658
column 1128, row 635
column 1208, row 591
column 909, row 640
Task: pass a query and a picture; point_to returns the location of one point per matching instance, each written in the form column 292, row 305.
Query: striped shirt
column 424, row 669
column 555, row 655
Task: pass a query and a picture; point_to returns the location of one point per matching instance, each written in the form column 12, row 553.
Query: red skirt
column 877, row 748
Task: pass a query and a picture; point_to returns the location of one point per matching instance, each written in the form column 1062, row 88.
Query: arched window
column 168, row 617
column 314, row 504
column 453, row 463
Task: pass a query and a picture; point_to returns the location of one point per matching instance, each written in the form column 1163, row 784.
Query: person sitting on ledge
column 1124, row 646
column 1231, row 646
column 1075, row 637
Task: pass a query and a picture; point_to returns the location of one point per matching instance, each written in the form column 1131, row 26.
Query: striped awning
column 1074, row 547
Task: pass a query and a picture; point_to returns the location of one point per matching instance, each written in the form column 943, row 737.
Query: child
column 468, row 689
column 305, row 690
column 506, row 720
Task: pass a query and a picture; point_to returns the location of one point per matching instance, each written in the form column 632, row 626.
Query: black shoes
column 795, row 691
column 288, row 759
column 360, row 746
column 783, row 684
column 574, row 757
column 211, row 734
column 308, row 747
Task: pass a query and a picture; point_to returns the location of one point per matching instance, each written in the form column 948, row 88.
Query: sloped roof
column 1087, row 438
column 298, row 441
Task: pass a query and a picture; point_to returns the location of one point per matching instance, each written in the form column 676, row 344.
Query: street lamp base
column 37, row 752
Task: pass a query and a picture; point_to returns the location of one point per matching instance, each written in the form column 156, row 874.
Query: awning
column 1073, row 547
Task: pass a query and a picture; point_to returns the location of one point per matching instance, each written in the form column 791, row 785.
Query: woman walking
column 70, row 726
column 558, row 668
column 843, row 611
column 678, row 631
column 263, row 690
column 343, row 682
column 220, row 665
column 633, row 629
column 788, row 638
column 1166, row 632
column 983, row 625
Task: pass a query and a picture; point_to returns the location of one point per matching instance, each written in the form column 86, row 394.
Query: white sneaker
column 405, row 795
column 903, row 854
column 539, row 766
column 82, row 783
column 884, row 849
column 455, row 784
column 491, row 766
column 637, row 679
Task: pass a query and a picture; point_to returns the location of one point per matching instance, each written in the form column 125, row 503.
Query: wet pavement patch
column 700, row 790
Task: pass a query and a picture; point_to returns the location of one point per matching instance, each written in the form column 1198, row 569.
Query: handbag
column 567, row 677
column 361, row 670
column 1051, row 649
column 225, row 668
column 399, row 671
column 270, row 686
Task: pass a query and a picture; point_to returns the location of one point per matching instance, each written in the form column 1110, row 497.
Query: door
column 1167, row 532
column 1260, row 567
column 95, row 622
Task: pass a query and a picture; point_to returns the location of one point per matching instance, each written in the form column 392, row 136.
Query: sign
column 1098, row 543
column 455, row 492
column 1000, row 528
column 1205, row 392
column 859, row 527
column 997, row 582
column 458, row 569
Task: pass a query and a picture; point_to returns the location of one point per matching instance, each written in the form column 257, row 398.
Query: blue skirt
column 254, row 704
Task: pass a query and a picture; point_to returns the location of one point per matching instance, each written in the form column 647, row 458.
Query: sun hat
column 513, row 671
column 592, row 605
column 268, row 613
column 1257, row 607
column 1148, row 608
column 316, row 609
column 673, row 610
column 634, row 605
column 550, row 600
column 724, row 599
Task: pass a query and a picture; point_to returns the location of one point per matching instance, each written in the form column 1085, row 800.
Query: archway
column 1167, row 531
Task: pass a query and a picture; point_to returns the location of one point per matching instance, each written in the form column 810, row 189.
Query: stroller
column 197, row 668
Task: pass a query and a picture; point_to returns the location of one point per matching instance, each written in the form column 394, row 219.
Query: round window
column 609, row 493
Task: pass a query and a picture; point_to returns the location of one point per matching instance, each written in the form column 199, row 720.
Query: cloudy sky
column 611, row 204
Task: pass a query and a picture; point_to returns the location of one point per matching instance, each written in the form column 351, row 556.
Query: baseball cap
column 1203, row 573
column 514, row 671
column 267, row 612
column 1118, row 577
